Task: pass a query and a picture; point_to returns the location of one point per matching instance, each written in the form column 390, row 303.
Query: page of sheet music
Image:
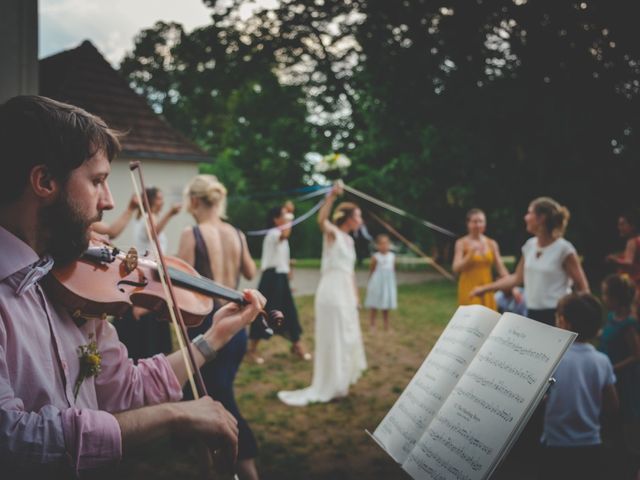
column 486, row 408
column 413, row 411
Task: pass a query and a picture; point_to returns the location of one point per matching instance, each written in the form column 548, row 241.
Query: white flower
column 333, row 161
column 322, row 166
column 342, row 161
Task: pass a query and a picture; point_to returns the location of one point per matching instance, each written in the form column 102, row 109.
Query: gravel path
column 305, row 280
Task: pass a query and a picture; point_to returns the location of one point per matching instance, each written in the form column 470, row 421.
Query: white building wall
column 169, row 176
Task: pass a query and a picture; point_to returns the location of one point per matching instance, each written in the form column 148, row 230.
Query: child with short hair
column 584, row 390
column 511, row 300
column 619, row 341
column 382, row 291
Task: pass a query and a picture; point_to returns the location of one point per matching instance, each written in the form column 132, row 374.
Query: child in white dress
column 382, row 292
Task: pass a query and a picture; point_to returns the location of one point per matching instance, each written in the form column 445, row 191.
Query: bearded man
column 55, row 163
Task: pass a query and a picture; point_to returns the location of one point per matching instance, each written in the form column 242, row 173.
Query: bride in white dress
column 339, row 358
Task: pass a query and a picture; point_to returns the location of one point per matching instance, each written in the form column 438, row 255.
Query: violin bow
column 197, row 386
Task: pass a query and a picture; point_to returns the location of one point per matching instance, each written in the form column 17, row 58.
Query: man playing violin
column 55, row 415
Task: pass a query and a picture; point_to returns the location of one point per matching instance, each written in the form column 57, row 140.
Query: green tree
column 445, row 105
column 225, row 95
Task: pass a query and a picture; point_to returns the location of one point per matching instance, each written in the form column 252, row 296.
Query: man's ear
column 43, row 184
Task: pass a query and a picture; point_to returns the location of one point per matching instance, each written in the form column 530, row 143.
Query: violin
column 106, row 281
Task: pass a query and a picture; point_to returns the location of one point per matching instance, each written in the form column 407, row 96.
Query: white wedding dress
column 339, row 357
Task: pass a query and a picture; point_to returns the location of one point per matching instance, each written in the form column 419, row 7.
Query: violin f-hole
column 132, row 283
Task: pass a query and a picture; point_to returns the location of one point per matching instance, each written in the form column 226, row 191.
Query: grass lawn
column 323, row 441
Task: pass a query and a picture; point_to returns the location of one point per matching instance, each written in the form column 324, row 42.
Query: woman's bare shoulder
column 462, row 241
column 187, row 235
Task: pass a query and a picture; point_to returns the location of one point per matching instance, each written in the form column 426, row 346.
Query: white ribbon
column 399, row 211
column 288, row 225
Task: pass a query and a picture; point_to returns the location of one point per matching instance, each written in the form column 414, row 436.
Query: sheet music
column 491, row 402
column 419, row 403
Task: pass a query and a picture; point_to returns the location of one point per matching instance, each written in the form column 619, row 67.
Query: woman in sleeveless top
column 339, row 357
column 475, row 257
column 219, row 251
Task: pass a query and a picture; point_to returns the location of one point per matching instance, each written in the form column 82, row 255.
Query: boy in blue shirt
column 511, row 300
column 584, row 390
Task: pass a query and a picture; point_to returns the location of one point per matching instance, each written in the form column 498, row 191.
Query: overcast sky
column 111, row 25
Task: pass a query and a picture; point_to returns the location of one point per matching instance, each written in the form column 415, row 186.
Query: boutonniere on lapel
column 90, row 363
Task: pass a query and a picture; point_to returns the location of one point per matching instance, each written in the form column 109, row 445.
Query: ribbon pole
column 399, row 211
column 412, row 246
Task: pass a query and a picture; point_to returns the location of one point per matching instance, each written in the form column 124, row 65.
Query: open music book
column 473, row 394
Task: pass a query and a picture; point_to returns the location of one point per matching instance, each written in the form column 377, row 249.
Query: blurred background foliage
column 441, row 106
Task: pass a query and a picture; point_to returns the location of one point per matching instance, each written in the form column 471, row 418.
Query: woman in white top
column 549, row 266
column 156, row 202
column 139, row 329
column 339, row 357
column 274, row 285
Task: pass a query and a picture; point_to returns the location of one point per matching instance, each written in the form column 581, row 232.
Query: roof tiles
column 82, row 77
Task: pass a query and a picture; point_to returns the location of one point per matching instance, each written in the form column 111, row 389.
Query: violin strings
column 204, row 284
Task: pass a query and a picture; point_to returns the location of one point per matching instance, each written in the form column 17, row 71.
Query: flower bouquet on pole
column 333, row 166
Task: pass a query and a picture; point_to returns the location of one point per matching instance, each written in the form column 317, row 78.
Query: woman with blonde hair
column 549, row 267
column 475, row 257
column 339, row 358
column 219, row 251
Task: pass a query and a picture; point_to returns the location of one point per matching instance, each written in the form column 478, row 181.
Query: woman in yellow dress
column 474, row 259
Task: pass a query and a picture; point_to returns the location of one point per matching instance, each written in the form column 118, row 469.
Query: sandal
column 255, row 358
column 296, row 349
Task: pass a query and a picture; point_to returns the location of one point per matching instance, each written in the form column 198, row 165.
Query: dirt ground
column 323, row 441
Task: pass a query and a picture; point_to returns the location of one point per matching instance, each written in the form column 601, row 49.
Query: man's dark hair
column 583, row 312
column 37, row 130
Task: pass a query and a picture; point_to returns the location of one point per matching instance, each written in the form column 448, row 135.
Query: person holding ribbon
column 71, row 402
column 139, row 329
column 339, row 358
column 274, row 284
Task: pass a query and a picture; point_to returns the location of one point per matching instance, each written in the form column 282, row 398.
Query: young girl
column 381, row 291
column 619, row 340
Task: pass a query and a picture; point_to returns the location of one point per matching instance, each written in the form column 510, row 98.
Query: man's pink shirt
column 39, row 365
